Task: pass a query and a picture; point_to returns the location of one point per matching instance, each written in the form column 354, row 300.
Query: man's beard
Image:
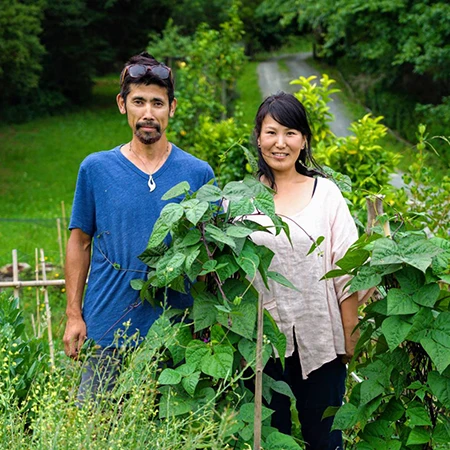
column 148, row 138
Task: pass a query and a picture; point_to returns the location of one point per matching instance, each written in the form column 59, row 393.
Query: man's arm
column 349, row 315
column 78, row 260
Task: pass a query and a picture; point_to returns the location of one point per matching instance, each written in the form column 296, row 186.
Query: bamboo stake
column 15, row 272
column 21, row 284
column 60, row 244
column 48, row 312
column 38, row 297
column 258, row 377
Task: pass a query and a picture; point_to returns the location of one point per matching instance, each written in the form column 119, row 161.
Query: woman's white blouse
column 313, row 312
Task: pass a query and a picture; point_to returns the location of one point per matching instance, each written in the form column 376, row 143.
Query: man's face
column 148, row 111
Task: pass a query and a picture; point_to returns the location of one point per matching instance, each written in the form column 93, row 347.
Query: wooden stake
column 258, row 376
column 47, row 311
column 374, row 211
column 38, row 297
column 15, row 263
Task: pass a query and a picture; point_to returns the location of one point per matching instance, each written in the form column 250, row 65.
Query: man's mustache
column 150, row 123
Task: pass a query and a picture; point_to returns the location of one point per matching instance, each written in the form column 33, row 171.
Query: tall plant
column 403, row 401
column 217, row 344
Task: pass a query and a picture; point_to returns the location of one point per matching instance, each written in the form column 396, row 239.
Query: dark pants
column 99, row 373
column 324, row 387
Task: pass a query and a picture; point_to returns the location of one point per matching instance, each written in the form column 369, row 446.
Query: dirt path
column 271, row 80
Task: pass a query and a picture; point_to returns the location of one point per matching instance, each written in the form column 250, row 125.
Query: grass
column 39, row 163
column 250, row 95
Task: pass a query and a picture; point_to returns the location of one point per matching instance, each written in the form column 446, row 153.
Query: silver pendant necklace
column 151, row 182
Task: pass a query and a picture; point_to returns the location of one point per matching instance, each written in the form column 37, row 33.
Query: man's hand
column 74, row 337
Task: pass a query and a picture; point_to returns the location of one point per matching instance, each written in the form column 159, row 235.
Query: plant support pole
column 48, row 312
column 258, row 376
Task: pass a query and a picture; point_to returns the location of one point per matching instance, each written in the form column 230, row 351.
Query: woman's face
column 280, row 146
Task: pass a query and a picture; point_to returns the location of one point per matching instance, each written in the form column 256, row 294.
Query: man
column 117, row 202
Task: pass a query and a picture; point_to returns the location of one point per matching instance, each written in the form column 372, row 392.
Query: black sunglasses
column 139, row 70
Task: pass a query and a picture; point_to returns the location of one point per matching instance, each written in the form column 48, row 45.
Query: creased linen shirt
column 312, row 314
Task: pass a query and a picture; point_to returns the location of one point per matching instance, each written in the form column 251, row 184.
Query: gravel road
column 271, row 80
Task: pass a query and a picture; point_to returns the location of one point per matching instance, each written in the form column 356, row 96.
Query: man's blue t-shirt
column 113, row 205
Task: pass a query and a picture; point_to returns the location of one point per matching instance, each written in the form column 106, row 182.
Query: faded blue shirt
column 113, row 205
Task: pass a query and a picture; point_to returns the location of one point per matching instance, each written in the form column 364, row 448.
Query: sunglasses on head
column 139, row 70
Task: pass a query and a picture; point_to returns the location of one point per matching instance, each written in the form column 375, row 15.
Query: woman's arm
column 349, row 316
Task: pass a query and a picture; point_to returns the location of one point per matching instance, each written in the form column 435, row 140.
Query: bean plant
column 403, row 354
column 209, row 247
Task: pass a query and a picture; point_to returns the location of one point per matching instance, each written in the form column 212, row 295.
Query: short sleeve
column 83, row 209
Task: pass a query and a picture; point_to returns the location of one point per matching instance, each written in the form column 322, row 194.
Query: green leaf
column 274, row 335
column 422, row 324
column 281, row 279
column 440, row 387
column 168, row 271
column 151, row 256
column 236, row 190
column 190, row 382
column 170, row 214
column 264, row 203
column 216, row 234
column 238, row 231
column 241, row 319
column 247, row 413
column 439, row 354
column 385, row 251
column 353, row 259
column 441, row 434
column 410, row 279
column 427, row 295
column 441, row 330
column 370, row 389
column 219, row 364
column 394, row 410
column 179, row 343
column 400, row 303
column 248, row 351
column 209, row 193
column 137, row 284
column 179, row 189
column 227, row 266
column 194, row 210
column 395, row 331
column 346, row 417
column 169, row 376
column 366, row 278
column 195, row 352
column 417, row 414
column 280, row 441
column 192, row 237
column 418, row 436
column 242, row 207
column 316, row 245
column 419, row 253
column 248, row 260
column 204, row 311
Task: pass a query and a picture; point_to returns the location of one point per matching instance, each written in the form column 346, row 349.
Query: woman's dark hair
column 288, row 111
column 145, row 59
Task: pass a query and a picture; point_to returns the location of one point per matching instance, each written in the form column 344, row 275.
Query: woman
column 319, row 318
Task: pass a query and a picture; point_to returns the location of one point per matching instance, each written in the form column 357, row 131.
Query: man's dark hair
column 148, row 78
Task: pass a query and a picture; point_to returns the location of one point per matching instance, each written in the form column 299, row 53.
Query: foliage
column 429, row 199
column 23, row 360
column 217, row 143
column 213, row 244
column 404, row 346
column 20, row 48
column 359, row 155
